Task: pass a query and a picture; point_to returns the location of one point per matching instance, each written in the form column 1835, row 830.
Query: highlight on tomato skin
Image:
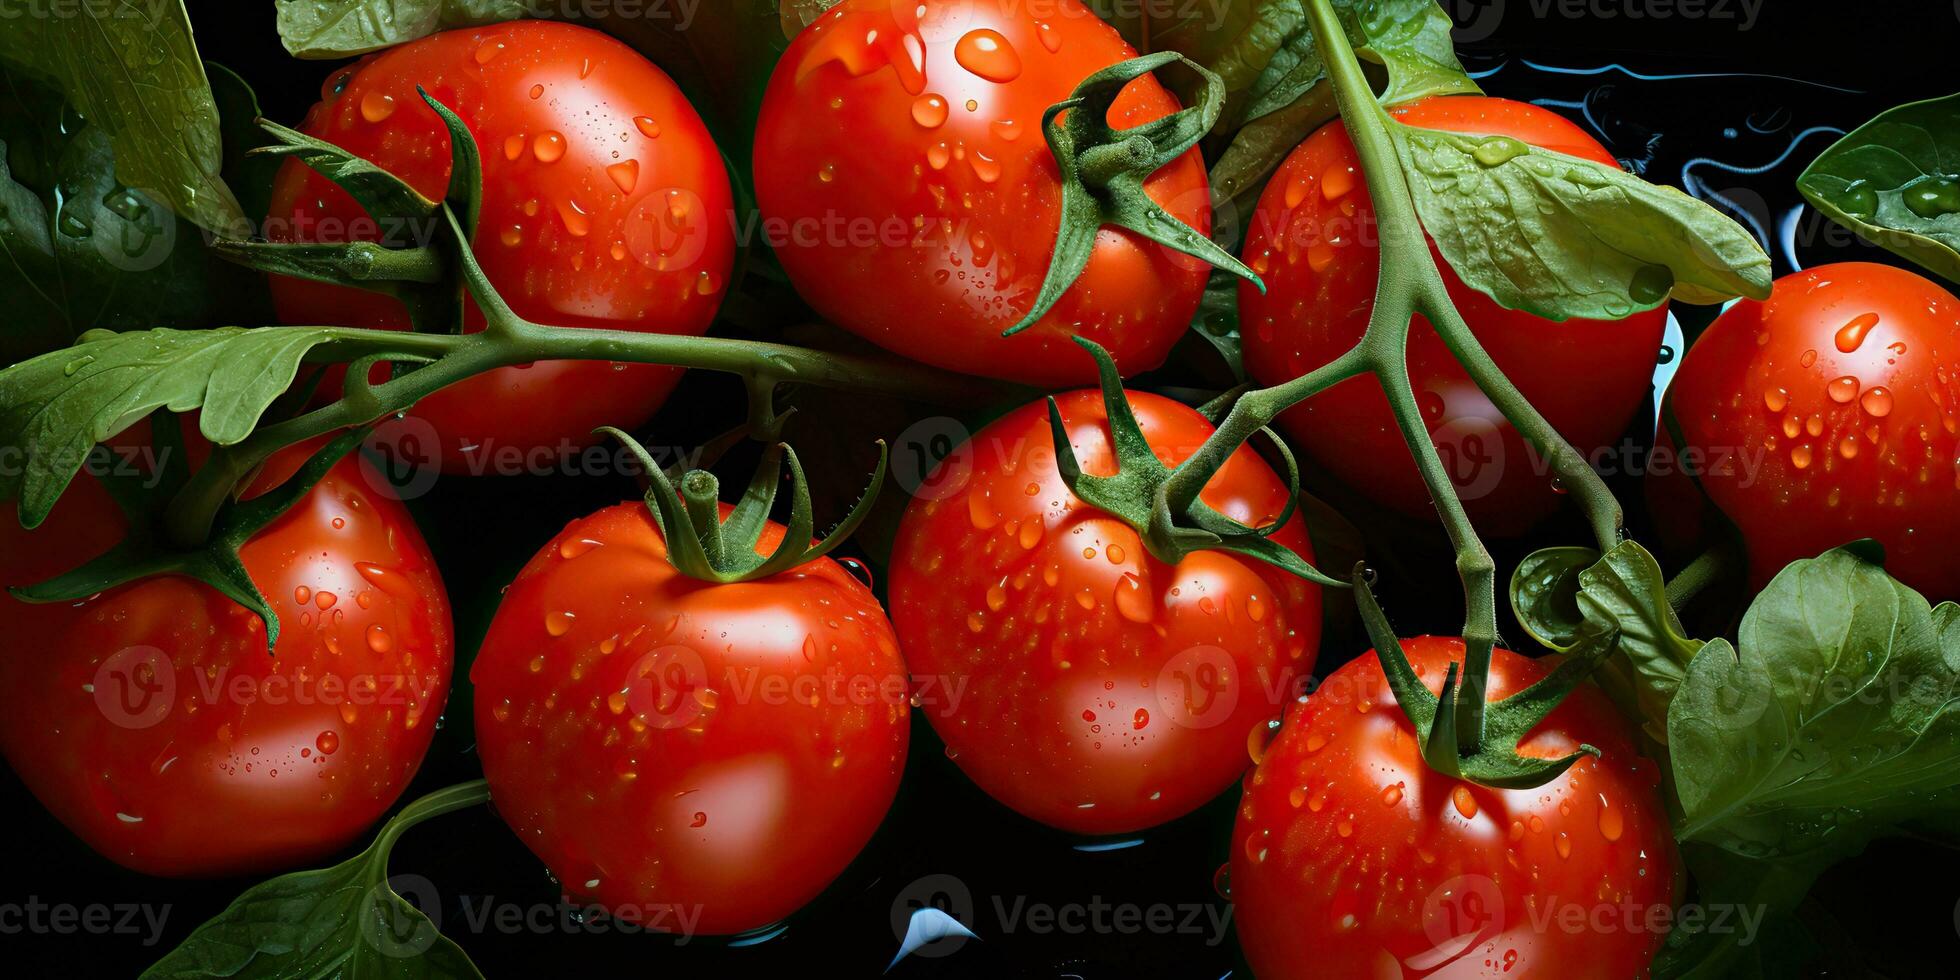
column 1352, row 858
column 1312, row 239
column 1105, row 691
column 917, row 202
column 605, row 205
column 1828, row 413
column 706, row 756
column 152, row 713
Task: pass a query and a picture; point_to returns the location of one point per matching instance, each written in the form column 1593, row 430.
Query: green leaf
column 1896, row 182
column 56, row 407
column 1627, row 590
column 131, row 68
column 343, row 921
column 1561, row 237
column 1411, row 38
column 1217, row 320
column 79, row 250
column 328, row 29
column 1835, row 716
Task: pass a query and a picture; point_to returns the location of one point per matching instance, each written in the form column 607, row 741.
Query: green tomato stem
column 1410, row 283
column 510, row 340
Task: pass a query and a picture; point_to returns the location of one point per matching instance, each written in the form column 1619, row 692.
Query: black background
column 1890, row 912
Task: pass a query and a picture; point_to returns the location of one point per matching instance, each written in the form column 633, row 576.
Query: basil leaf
column 343, row 921
column 1560, row 237
column 344, row 28
column 56, row 407
column 132, row 69
column 1896, row 182
column 1836, row 715
column 81, row 251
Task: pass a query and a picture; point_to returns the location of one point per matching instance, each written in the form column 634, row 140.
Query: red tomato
column 1073, row 676
column 605, row 204
column 908, row 190
column 1313, row 241
column 674, row 748
column 1831, row 412
column 152, row 722
column 1352, row 858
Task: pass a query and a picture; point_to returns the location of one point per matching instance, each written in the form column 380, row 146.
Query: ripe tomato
column 671, row 747
column 1313, row 241
column 1352, row 858
column 1080, row 680
column 605, row 204
column 1831, row 412
column 908, row 190
column 152, row 722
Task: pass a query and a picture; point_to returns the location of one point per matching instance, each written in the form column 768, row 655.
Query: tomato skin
column 1352, row 858
column 930, row 240
column 1081, row 681
column 238, row 761
column 605, row 205
column 1877, row 456
column 722, row 783
column 1313, row 241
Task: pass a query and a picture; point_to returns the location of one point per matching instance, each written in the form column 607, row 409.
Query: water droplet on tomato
column 987, row 54
column 1466, row 804
column 1843, row 389
column 548, row 147
column 327, row 742
column 576, row 221
column 1851, row 336
column 1776, row 399
column 378, row 639
column 558, row 623
column 1132, row 601
column 930, row 111
column 1877, row 402
column 625, row 175
column 376, row 106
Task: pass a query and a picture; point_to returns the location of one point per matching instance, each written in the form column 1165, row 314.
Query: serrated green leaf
column 1896, row 182
column 132, row 69
column 1836, row 715
column 56, row 407
column 1561, row 237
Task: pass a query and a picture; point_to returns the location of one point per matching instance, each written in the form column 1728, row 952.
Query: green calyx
column 1465, row 737
column 1103, row 171
column 703, row 545
column 147, row 552
column 1136, row 493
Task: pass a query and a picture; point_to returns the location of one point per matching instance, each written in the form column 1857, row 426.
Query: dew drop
column 1843, row 389
column 558, row 623
column 548, row 147
column 625, row 175
column 929, row 111
column 987, row 54
column 1877, row 402
column 1851, row 336
column 376, row 106
column 647, row 127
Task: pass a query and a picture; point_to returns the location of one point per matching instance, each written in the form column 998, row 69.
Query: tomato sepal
column 704, row 545
column 145, row 553
column 1493, row 760
column 1103, row 172
column 1135, row 494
